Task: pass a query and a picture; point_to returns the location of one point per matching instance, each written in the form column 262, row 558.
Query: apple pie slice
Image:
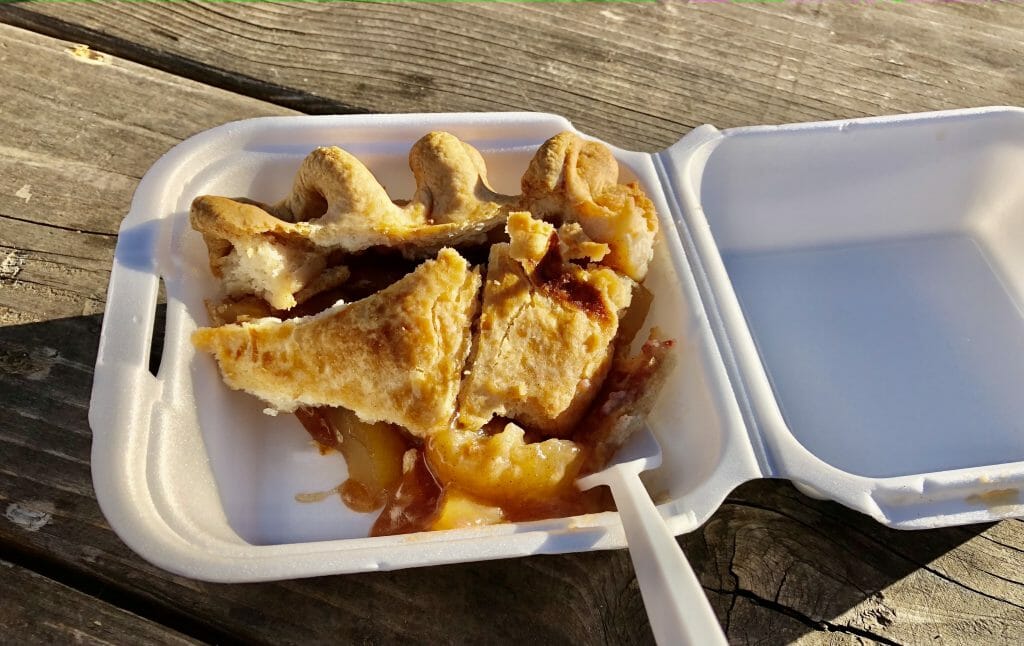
column 396, row 356
column 452, row 409
column 546, row 329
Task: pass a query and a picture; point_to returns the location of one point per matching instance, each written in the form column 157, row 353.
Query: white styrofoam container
column 849, row 298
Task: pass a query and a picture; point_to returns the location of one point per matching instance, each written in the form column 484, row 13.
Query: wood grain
column 77, row 136
column 639, row 75
column 37, row 610
column 779, row 567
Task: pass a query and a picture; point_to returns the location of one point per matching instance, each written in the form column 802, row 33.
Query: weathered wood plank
column 639, row 75
column 779, row 567
column 37, row 610
column 844, row 572
column 71, row 157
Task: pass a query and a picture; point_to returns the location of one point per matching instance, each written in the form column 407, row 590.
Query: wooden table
column 80, row 127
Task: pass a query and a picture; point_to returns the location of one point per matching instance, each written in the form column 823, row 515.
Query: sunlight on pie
column 466, row 352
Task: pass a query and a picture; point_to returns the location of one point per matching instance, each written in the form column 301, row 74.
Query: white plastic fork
column 677, row 607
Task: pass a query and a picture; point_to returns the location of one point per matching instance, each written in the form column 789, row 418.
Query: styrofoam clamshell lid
column 846, row 297
column 866, row 280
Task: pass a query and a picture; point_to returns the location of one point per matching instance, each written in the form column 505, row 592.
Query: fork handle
column 677, row 607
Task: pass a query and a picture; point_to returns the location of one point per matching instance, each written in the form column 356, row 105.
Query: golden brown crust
column 574, row 180
column 451, row 181
column 253, row 252
column 337, row 202
column 396, row 356
column 336, row 205
column 279, row 252
column 541, row 350
column 566, row 170
column 227, row 218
